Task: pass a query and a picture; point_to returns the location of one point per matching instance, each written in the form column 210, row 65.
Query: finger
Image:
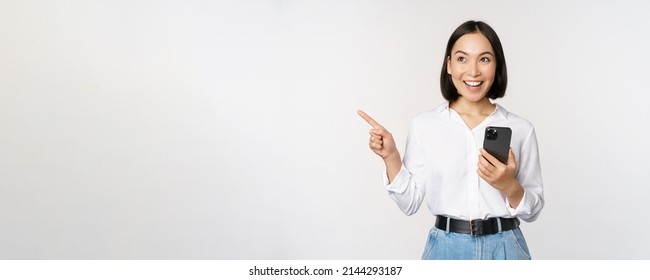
column 485, row 164
column 483, row 170
column 376, row 147
column 368, row 119
column 512, row 162
column 494, row 161
column 379, row 132
column 376, row 140
column 485, row 176
column 375, row 135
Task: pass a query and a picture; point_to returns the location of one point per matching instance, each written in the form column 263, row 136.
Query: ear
column 449, row 65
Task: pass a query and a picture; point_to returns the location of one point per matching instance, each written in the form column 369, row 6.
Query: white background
column 227, row 129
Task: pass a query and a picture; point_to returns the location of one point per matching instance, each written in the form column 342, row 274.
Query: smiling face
column 472, row 66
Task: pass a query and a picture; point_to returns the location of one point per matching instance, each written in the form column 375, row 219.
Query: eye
column 461, row 59
column 485, row 59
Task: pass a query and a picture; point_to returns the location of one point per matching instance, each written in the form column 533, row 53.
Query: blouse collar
column 499, row 110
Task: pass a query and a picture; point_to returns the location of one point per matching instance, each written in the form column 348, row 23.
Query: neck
column 480, row 107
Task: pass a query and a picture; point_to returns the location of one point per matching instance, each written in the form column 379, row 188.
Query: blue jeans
column 507, row 245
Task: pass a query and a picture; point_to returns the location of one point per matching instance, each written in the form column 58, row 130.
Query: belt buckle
column 476, row 227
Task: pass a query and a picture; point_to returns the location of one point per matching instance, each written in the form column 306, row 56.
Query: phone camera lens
column 491, row 134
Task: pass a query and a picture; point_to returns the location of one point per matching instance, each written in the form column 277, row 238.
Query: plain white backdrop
column 228, row 129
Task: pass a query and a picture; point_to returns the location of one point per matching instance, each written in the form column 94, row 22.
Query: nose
column 474, row 70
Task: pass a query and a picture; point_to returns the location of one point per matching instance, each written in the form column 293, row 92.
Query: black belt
column 476, row 227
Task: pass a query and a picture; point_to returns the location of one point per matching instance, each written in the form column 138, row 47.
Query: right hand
column 381, row 141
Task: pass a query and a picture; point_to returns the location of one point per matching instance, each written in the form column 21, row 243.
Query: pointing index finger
column 370, row 120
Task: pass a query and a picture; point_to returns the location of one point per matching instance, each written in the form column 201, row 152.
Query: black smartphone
column 497, row 142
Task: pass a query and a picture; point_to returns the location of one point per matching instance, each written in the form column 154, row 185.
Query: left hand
column 500, row 176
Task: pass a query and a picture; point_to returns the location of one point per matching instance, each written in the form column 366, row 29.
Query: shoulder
column 522, row 129
column 435, row 114
column 514, row 119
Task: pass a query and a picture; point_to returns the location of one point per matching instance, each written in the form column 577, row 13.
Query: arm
column 400, row 179
column 529, row 174
column 521, row 184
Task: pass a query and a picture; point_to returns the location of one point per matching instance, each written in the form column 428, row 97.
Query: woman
column 476, row 199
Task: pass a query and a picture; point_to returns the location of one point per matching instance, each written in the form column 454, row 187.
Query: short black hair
column 498, row 88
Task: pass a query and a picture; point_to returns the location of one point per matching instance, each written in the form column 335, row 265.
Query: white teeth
column 473, row 84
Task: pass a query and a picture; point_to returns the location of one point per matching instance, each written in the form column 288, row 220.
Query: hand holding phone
column 496, row 146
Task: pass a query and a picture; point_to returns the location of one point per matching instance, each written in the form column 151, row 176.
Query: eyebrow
column 485, row 52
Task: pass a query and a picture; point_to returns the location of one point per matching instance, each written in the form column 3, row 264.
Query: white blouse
column 441, row 161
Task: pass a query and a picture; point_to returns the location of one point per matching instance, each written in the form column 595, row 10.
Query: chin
column 473, row 97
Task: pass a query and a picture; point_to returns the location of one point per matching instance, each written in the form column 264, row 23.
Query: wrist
column 393, row 162
column 393, row 166
column 514, row 190
column 392, row 158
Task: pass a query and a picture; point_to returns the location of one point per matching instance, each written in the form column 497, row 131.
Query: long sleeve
column 408, row 187
column 529, row 175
